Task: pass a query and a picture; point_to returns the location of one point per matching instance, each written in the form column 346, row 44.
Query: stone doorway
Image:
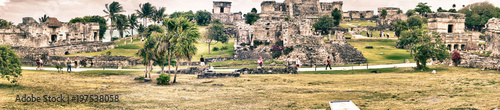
column 221, row 9
column 53, row 38
column 450, row 28
column 95, row 36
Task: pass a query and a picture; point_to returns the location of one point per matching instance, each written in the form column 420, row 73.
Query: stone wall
column 440, row 22
column 269, row 70
column 389, row 21
column 391, row 11
column 358, row 15
column 492, row 31
column 31, row 34
column 87, row 61
column 474, row 61
column 301, row 9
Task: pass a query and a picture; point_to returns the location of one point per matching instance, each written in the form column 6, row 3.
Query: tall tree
column 415, row 22
column 251, row 18
column 254, row 10
column 145, row 11
column 441, row 10
column 400, row 27
column 184, row 37
column 428, row 45
column 215, row 33
column 383, row 13
column 478, row 14
column 324, row 23
column 10, row 64
column 203, row 17
column 423, row 8
column 43, row 18
column 111, row 10
column 121, row 23
column 132, row 22
column 159, row 15
column 337, row 16
column 147, row 52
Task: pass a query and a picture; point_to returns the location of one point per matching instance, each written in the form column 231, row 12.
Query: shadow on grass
column 384, row 70
column 98, row 73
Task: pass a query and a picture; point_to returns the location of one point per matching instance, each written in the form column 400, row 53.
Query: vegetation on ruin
column 478, row 14
column 337, row 16
column 43, row 18
column 96, row 19
column 451, row 87
column 10, row 68
column 422, row 8
column 5, row 24
column 324, row 23
column 203, row 17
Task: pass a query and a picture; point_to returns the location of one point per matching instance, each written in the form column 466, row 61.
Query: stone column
column 452, row 47
column 460, row 46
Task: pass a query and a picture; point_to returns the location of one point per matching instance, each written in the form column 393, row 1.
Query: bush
column 267, row 43
column 456, row 58
column 215, row 49
column 224, row 48
column 11, row 65
column 59, row 68
column 108, row 52
column 287, row 19
column 276, row 54
column 288, row 50
column 257, row 42
column 114, row 38
column 164, row 79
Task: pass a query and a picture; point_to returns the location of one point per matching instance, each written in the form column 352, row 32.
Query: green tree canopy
column 251, row 18
column 254, row 10
column 5, row 24
column 145, row 12
column 383, row 13
column 159, row 15
column 410, row 12
column 10, row 64
column 415, row 22
column 121, row 23
column 337, row 16
column 400, row 27
column 215, row 33
column 478, row 14
column 43, row 18
column 427, row 46
column 203, row 17
column 324, row 23
column 441, row 10
column 189, row 15
column 423, row 8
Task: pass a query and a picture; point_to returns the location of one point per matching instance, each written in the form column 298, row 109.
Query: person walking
column 260, row 61
column 328, row 63
column 68, row 63
column 41, row 64
column 297, row 61
column 202, row 61
column 38, row 64
column 288, row 61
column 387, row 35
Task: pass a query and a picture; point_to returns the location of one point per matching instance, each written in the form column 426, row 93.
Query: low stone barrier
column 213, row 74
column 475, row 61
column 268, row 70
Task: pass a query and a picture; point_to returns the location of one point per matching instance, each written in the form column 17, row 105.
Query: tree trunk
column 162, row 69
column 121, row 33
column 169, row 59
column 110, row 29
column 209, row 46
column 151, row 68
column 176, row 67
column 146, row 72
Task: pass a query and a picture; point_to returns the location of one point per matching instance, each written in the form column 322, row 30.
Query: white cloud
column 2, row 2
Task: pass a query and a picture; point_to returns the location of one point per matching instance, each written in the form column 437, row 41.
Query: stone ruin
column 492, row 32
column 391, row 18
column 52, row 32
column 475, row 61
column 301, row 9
column 222, row 11
column 358, row 15
column 451, row 27
column 296, row 34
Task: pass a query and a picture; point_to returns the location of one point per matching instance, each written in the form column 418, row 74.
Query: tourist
column 297, row 61
column 260, row 61
column 202, row 61
column 38, row 64
column 383, row 34
column 41, row 64
column 328, row 63
column 68, row 63
column 387, row 35
column 288, row 61
column 367, row 34
column 131, row 40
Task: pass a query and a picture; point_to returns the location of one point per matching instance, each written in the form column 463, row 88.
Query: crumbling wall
column 492, row 31
column 474, row 61
column 440, row 22
column 390, row 20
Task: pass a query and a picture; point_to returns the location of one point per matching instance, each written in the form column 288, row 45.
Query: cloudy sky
column 64, row 10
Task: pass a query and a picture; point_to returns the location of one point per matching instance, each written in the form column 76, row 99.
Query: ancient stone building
column 302, row 9
column 391, row 18
column 358, row 15
column 451, row 27
column 222, row 11
column 296, row 34
column 492, row 32
column 52, row 32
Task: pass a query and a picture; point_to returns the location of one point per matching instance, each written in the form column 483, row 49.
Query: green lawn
column 383, row 52
column 203, row 50
column 357, row 24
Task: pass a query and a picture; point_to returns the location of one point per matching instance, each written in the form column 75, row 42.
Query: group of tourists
column 39, row 63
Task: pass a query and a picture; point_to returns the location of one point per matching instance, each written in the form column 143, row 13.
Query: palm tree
column 159, row 14
column 145, row 11
column 184, row 37
column 121, row 23
column 111, row 10
column 44, row 18
column 132, row 22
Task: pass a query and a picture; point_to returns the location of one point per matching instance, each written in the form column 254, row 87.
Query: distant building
column 451, row 27
column 301, row 9
column 222, row 11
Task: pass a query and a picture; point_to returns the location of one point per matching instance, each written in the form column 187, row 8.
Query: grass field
column 357, row 24
column 383, row 52
column 450, row 88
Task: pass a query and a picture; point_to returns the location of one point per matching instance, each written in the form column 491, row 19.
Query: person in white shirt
column 298, row 62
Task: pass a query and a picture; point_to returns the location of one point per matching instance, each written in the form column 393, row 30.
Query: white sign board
column 343, row 105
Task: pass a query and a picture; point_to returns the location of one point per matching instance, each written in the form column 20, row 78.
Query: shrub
column 456, row 58
column 114, row 38
column 287, row 19
column 277, row 49
column 10, row 64
column 164, row 79
column 215, row 49
column 267, row 43
column 276, row 54
column 108, row 52
column 288, row 50
column 257, row 42
column 59, row 68
column 224, row 48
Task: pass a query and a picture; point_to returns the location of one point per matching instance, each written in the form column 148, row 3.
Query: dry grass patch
column 450, row 88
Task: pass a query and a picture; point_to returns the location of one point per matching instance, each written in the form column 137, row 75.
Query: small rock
column 147, row 80
column 381, row 53
column 208, row 81
column 433, row 71
column 103, row 87
column 482, row 69
column 107, row 77
column 395, row 66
